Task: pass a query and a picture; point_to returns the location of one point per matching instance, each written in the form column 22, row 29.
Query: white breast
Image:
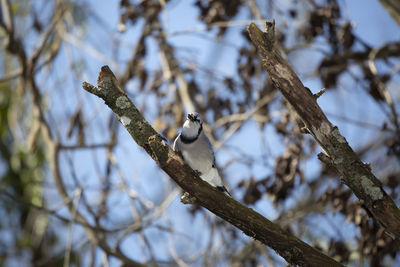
column 198, row 160
column 198, row 155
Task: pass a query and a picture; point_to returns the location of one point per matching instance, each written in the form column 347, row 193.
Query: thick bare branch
column 393, row 7
column 250, row 222
column 353, row 172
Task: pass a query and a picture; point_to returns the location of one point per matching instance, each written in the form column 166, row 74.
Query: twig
column 71, row 225
column 320, row 93
column 218, row 24
column 170, row 70
column 241, row 118
column 383, row 89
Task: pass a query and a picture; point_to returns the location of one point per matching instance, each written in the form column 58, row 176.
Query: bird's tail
column 224, row 190
column 213, row 178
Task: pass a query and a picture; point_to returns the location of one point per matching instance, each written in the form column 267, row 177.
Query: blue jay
column 197, row 152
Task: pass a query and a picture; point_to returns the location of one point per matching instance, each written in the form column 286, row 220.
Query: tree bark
column 354, row 173
column 393, row 7
column 250, row 222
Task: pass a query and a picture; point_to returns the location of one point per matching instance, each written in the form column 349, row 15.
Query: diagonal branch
column 250, row 222
column 393, row 7
column 354, row 173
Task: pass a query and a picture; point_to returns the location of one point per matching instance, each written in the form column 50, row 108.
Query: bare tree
column 76, row 190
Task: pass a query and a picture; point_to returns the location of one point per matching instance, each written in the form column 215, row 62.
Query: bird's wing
column 210, row 146
column 175, row 147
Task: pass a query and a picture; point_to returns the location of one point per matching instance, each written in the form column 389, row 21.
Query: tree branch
column 393, row 7
column 250, row 222
column 353, row 172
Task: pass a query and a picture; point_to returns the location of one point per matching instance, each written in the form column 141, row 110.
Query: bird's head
column 193, row 125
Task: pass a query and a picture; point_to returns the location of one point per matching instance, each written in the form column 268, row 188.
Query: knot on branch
column 336, row 134
column 159, row 149
column 186, row 198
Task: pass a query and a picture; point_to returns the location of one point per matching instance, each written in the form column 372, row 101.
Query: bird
column 196, row 150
